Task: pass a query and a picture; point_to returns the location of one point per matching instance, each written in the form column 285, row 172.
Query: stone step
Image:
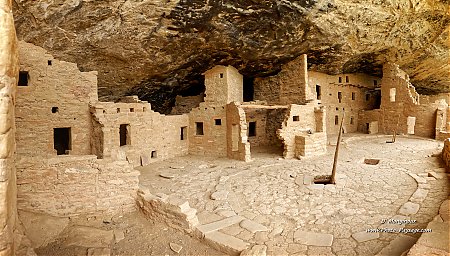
column 225, row 243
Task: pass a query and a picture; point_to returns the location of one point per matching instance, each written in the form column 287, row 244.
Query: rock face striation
column 159, row 49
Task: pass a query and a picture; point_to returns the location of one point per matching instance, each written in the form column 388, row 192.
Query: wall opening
column 199, row 128
column 249, row 89
column 340, row 79
column 375, row 82
column 351, row 120
column 55, row 110
column 183, row 133
column 62, row 140
column 118, row 110
column 340, row 97
column 367, row 127
column 235, row 137
column 377, row 102
column 353, row 95
column 346, row 79
column 367, row 97
column 336, row 120
column 124, row 133
column 131, row 109
column 392, row 93
column 411, row 123
column 23, row 78
column 49, row 62
column 218, row 121
column 252, row 129
column 296, row 118
column 318, row 92
column 221, row 75
column 154, row 154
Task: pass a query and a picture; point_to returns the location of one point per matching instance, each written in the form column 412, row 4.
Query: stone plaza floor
column 272, row 202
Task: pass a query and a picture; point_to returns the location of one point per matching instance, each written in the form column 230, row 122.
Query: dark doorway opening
column 199, row 128
column 249, row 88
column 252, row 129
column 318, row 92
column 23, row 78
column 183, row 133
column 377, row 103
column 62, row 140
column 124, row 134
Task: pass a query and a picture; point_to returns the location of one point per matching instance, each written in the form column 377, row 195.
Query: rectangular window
column 183, row 132
column 221, row 75
column 346, row 79
column 353, row 95
column 340, row 79
column 336, row 120
column 62, row 140
column 318, row 92
column 351, row 120
column 218, row 121
column 199, row 128
column 124, row 133
column 23, row 78
column 296, row 118
column 252, row 129
column 340, row 97
column 131, row 109
column 154, row 155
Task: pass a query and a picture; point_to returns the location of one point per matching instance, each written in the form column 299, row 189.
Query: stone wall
column 9, row 71
column 223, row 85
column 73, row 185
column 299, row 121
column 446, row 153
column 443, row 122
column 150, row 136
column 57, row 95
column 211, row 137
column 184, row 105
column 238, row 146
column 345, row 92
column 267, row 120
column 289, row 86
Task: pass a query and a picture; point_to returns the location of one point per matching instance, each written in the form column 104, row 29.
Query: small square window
column 55, row 110
column 154, row 154
column 118, row 110
column 131, row 109
column 221, row 75
column 346, row 79
column 199, row 128
column 218, row 121
column 296, row 118
column 23, row 78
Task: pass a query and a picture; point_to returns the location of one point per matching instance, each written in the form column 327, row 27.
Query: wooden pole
column 336, row 153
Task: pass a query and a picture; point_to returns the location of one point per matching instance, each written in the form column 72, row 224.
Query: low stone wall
column 73, row 185
column 173, row 211
column 446, row 153
column 310, row 144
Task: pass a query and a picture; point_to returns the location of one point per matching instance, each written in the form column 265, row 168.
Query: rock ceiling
column 159, row 48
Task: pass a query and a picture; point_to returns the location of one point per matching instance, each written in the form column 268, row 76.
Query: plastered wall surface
column 57, row 96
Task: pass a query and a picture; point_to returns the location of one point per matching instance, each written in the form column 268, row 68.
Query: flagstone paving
column 272, row 202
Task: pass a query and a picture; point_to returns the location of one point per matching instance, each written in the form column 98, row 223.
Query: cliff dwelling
column 296, row 153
